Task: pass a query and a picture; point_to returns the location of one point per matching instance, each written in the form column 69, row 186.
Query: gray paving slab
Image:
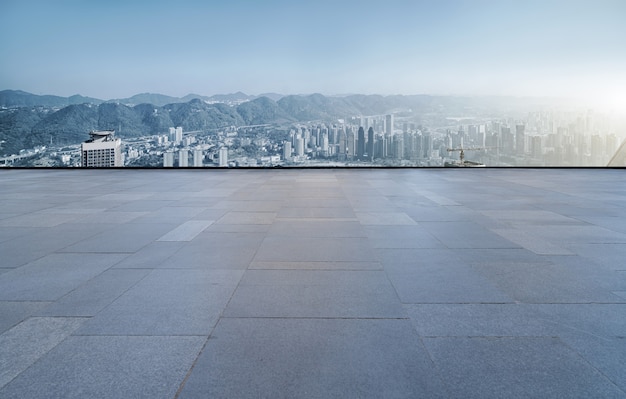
column 517, row 367
column 151, row 256
column 316, row 212
column 5, row 215
column 186, row 231
column 481, row 320
column 109, row 367
column 607, row 355
column 53, row 276
column 399, row 236
column 211, row 241
column 251, row 205
column 238, row 228
column 368, row 203
column 9, row 233
column 435, row 214
column 129, row 238
column 24, row 344
column 313, row 358
column 593, row 320
column 544, row 283
column 14, row 312
column 116, row 217
column 38, row 220
column 481, row 255
column 466, row 235
column 315, row 203
column 194, row 255
column 167, row 302
column 580, row 234
column 247, row 218
column 527, row 239
column 144, row 205
column 274, row 265
column 311, row 249
column 526, row 216
column 171, row 215
column 96, row 294
column 316, row 228
column 436, row 198
column 385, row 218
column 610, row 255
column 314, row 293
column 604, row 276
column 443, row 283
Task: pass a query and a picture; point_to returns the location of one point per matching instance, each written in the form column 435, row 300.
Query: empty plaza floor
column 322, row 283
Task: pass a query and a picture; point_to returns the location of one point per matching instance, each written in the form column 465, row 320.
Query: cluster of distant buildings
column 103, row 149
column 365, row 139
column 542, row 139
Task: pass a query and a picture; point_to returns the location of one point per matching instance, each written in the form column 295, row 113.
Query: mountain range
column 19, row 98
column 28, row 120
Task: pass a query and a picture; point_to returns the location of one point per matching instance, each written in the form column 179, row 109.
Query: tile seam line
column 585, row 360
column 313, row 318
column 220, row 317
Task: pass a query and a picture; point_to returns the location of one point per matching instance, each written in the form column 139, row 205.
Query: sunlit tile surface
column 400, row 283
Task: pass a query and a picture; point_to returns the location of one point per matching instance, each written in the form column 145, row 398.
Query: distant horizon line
column 538, row 96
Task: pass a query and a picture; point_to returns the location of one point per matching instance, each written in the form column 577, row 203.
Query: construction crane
column 462, row 162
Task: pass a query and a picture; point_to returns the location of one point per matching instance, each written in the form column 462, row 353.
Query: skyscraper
column 299, row 146
column 360, row 144
column 389, row 124
column 350, row 144
column 168, row 159
column 287, row 151
column 179, row 134
column 197, row 158
column 223, row 157
column 507, row 140
column 102, row 150
column 370, row 144
column 183, row 158
column 520, row 140
column 342, row 144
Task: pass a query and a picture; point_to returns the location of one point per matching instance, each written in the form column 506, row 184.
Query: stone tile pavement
column 333, row 283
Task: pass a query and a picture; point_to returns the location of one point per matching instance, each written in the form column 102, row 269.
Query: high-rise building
column 427, row 144
column 102, row 150
column 197, row 158
column 176, row 134
column 223, row 157
column 507, row 140
column 536, row 148
column 342, row 144
column 168, row 159
column 183, row 158
column 370, row 144
column 350, row 144
column 299, row 146
column 520, row 140
column 360, row 151
column 389, row 124
column 287, row 151
column 324, row 144
column 179, row 134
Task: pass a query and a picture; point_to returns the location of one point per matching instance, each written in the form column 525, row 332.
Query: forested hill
column 39, row 124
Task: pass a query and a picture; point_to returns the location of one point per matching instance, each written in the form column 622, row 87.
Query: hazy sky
column 117, row 48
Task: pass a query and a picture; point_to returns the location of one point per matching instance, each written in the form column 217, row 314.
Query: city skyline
column 118, row 49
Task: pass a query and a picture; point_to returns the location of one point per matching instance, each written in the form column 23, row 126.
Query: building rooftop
column 451, row 283
column 101, row 135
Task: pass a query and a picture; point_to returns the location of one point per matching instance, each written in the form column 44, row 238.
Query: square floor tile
column 313, row 358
